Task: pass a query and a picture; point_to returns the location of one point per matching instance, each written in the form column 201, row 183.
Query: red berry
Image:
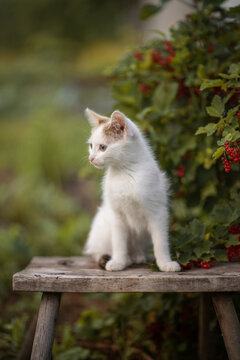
column 238, row 115
column 188, row 266
column 181, row 171
column 197, row 263
column 138, row 55
column 207, row 266
column 197, row 91
column 233, row 251
column 210, row 48
column 235, row 229
column 145, row 89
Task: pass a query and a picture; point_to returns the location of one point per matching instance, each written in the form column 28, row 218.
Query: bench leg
column 229, row 323
column 45, row 329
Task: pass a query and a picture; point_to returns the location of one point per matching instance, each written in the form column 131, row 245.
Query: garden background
column 183, row 90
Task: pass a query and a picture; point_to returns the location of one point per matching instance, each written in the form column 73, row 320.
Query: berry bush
column 184, row 92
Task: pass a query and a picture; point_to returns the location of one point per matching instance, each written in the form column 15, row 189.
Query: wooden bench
column 55, row 275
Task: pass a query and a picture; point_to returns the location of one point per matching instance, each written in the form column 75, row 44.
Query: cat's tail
column 103, row 261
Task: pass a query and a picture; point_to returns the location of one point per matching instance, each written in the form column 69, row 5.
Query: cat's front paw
column 113, row 265
column 170, row 266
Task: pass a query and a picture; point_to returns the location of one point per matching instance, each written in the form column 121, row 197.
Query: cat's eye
column 102, row 147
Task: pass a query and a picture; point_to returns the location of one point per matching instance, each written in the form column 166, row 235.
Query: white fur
column 134, row 207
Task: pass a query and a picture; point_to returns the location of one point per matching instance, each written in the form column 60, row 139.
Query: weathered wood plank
column 80, row 274
column 45, row 329
column 229, row 324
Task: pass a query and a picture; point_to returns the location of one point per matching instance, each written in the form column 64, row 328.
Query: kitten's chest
column 124, row 196
column 121, row 189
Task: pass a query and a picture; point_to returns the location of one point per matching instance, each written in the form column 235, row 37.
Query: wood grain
column 81, row 274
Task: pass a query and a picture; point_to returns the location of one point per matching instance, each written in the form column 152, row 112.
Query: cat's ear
column 95, row 119
column 121, row 123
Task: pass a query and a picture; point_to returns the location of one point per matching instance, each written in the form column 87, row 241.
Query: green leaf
column 184, row 258
column 218, row 153
column 223, row 214
column 233, row 240
column 230, row 114
column 204, row 247
column 209, row 129
column 220, row 231
column 164, row 95
column 220, row 255
column 197, row 229
column 201, row 74
column 221, row 142
column 231, row 131
column 218, row 105
column 226, row 76
column 212, row 111
column 234, row 69
column 207, row 83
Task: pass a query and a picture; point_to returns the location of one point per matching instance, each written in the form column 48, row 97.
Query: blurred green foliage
column 140, row 326
column 47, row 192
column 74, row 23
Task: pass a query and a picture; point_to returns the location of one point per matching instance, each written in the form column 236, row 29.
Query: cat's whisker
column 84, row 159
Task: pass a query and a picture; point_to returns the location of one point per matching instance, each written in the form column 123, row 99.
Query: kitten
column 134, row 209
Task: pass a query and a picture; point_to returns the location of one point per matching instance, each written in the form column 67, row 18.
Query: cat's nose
column 91, row 158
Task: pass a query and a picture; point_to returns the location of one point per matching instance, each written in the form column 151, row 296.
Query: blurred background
column 55, row 56
column 53, row 60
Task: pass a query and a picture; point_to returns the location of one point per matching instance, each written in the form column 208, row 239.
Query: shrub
column 173, row 88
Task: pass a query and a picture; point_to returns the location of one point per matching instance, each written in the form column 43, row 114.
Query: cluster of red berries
column 200, row 264
column 233, row 152
column 233, row 251
column 157, row 56
column 160, row 59
column 146, row 90
column 138, row 55
column 169, row 48
column 235, row 230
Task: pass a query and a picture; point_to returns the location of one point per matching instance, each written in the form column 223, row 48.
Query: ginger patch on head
column 116, row 128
